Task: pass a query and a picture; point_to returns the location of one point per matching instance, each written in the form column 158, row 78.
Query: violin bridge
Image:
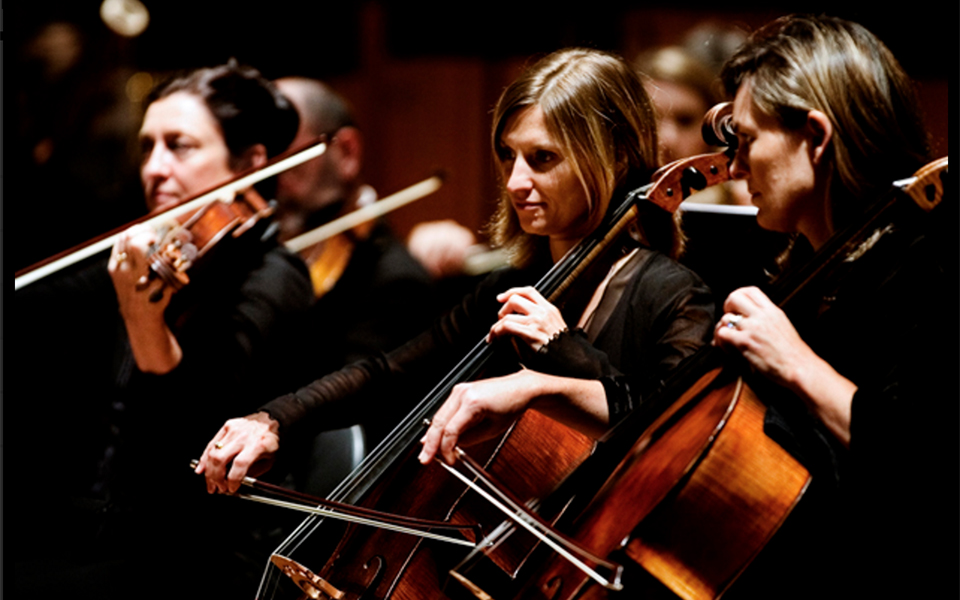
column 313, row 586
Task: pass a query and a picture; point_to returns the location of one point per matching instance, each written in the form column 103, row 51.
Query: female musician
column 198, row 131
column 826, row 120
column 230, row 330
column 574, row 128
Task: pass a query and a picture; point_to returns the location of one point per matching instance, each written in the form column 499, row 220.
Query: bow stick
column 225, row 192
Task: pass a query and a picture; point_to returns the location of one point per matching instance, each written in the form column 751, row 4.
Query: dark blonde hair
column 800, row 63
column 595, row 106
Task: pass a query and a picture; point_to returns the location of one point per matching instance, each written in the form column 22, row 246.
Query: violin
column 327, row 249
column 210, row 224
column 183, row 243
column 192, row 228
column 323, row 557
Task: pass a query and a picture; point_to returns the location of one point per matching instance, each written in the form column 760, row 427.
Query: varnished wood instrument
column 702, row 489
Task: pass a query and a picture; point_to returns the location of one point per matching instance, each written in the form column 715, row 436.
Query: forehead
column 528, row 126
column 743, row 109
column 180, row 111
column 747, row 116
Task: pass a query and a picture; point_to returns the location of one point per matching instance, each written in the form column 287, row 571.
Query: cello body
column 702, row 489
column 695, row 500
column 365, row 562
column 533, row 461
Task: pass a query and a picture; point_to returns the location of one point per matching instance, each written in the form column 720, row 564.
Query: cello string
column 546, row 539
column 353, row 519
column 405, row 434
column 522, row 512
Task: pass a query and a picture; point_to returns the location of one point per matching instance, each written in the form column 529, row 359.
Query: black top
column 664, row 314
column 879, row 518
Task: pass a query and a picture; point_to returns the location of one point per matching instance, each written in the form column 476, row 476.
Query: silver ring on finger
column 734, row 321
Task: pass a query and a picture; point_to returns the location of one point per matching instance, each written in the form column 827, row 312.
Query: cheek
column 200, row 175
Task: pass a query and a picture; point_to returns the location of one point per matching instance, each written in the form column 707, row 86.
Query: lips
column 520, row 205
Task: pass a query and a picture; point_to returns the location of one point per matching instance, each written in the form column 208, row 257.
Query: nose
column 520, row 182
column 738, row 166
column 156, row 164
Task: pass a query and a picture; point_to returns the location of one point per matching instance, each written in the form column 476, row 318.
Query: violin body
column 195, row 235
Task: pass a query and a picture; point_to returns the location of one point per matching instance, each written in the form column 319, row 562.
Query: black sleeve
column 239, row 341
column 351, row 394
column 666, row 315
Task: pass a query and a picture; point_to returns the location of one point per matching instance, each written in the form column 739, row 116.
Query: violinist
column 572, row 129
column 863, row 378
column 231, row 330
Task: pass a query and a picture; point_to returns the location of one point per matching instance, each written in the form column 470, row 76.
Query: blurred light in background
column 128, row 18
column 138, row 86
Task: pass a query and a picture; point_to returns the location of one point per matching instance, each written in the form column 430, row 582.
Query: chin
column 771, row 224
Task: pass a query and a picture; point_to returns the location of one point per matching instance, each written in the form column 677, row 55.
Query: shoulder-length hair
column 800, row 63
column 595, row 106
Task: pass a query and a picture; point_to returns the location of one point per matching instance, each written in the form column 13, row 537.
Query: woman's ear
column 819, row 130
column 253, row 157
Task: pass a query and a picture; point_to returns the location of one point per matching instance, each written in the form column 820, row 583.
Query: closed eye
column 543, row 159
column 146, row 146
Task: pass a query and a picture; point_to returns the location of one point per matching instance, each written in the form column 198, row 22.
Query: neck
column 559, row 247
column 818, row 228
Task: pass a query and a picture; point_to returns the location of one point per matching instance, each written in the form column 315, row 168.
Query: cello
column 379, row 563
column 702, row 489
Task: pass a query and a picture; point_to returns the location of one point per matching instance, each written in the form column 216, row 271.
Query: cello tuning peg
column 717, row 128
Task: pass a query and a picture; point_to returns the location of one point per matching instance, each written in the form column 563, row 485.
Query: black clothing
column 108, row 449
column 880, row 518
column 664, row 314
column 382, row 299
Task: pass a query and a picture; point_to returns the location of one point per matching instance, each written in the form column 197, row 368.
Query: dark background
column 422, row 78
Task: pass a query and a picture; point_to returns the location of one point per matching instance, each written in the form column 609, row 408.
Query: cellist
column 860, row 386
column 572, row 129
column 127, row 360
column 826, row 119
